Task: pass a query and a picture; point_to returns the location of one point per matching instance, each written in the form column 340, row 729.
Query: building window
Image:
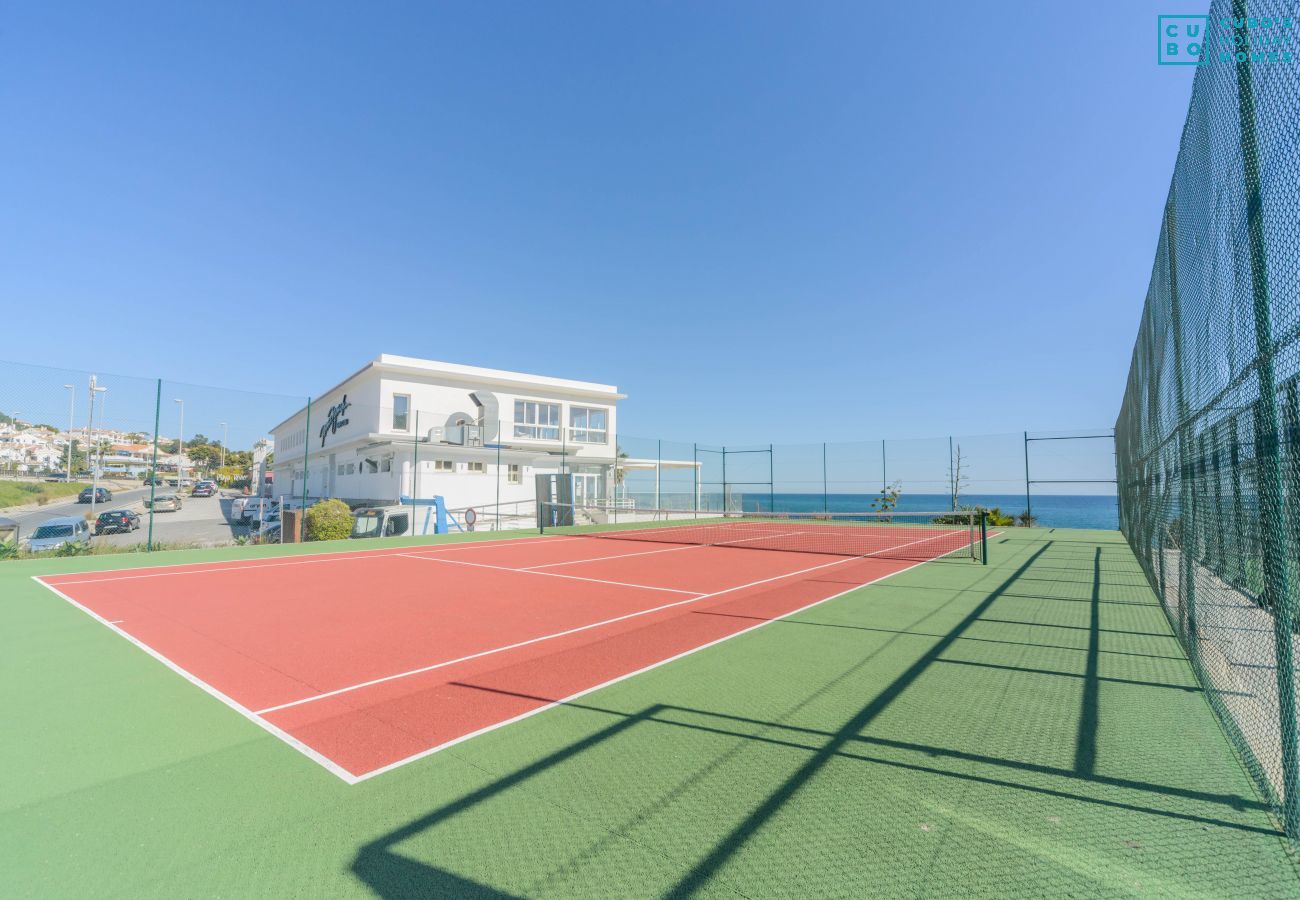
column 369, row 467
column 386, row 464
column 401, row 412
column 537, row 420
column 340, row 468
column 588, row 425
column 444, row 465
column 352, row 467
column 514, row 475
column 478, row 467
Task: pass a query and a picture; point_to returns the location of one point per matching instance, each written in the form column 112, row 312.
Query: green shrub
column 328, row 520
column 8, row 550
column 72, row 548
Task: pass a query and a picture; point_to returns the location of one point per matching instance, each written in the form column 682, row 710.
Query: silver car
column 54, row 533
column 165, row 503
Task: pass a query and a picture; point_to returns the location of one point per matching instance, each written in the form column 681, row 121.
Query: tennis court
column 891, row 728
column 365, row 661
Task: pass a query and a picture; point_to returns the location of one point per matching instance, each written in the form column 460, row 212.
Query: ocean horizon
column 1051, row 510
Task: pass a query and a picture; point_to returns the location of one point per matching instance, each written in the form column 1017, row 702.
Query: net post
column 153, row 474
column 984, row 537
column 695, row 478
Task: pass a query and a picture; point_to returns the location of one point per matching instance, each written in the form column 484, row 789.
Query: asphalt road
column 201, row 520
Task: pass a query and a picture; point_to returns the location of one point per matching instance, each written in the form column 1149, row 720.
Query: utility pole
column 223, row 445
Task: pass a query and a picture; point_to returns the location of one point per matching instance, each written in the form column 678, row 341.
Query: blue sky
column 840, row 220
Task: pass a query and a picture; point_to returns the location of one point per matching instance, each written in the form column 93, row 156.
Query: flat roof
column 410, row 365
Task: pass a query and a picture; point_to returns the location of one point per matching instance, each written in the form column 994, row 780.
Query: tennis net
column 893, row 535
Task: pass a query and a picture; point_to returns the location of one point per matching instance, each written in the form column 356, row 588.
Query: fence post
column 826, row 498
column 884, row 471
column 1029, row 510
column 659, row 460
column 771, row 477
column 415, row 464
column 1278, row 595
column 153, row 474
column 306, row 455
column 695, row 477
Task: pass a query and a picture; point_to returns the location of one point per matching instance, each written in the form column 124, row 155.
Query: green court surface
column 1027, row 728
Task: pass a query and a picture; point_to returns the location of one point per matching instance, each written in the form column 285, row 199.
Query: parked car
column 54, row 533
column 117, row 520
column 204, row 489
column 98, row 495
column 156, row 480
column 165, row 503
column 57, row 476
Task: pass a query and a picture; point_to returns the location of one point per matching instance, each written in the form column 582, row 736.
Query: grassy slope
column 1026, row 728
column 20, row 493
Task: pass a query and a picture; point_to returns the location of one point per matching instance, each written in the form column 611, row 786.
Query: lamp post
column 72, row 400
column 180, row 448
column 223, row 445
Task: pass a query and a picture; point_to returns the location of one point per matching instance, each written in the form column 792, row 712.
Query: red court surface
column 367, row 660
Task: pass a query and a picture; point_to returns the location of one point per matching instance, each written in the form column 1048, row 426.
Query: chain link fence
column 1208, row 438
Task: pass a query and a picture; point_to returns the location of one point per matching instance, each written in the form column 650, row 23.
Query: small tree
column 328, row 520
column 888, row 499
column 1026, row 519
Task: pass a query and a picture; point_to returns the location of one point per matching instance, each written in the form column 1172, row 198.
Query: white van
column 256, row 509
column 393, row 521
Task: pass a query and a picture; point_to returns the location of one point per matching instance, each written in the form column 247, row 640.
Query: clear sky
column 762, row 221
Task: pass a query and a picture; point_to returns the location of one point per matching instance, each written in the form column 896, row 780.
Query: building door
column 586, row 489
column 330, row 492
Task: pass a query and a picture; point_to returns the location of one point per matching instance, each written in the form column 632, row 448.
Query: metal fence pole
column 826, row 499
column 153, row 475
column 1029, row 510
column 771, row 478
column 1278, row 593
column 415, row 464
column 306, row 456
column 695, row 477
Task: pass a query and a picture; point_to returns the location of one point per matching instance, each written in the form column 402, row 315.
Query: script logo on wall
column 334, row 419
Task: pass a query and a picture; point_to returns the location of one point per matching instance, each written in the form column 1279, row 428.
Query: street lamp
column 223, row 445
column 72, row 399
column 180, row 447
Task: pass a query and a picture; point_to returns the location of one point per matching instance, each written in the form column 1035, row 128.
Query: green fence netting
column 1208, row 438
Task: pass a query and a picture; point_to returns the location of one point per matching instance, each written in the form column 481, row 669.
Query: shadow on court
column 1178, row 807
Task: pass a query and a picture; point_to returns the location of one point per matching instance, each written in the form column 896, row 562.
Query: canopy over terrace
column 684, row 489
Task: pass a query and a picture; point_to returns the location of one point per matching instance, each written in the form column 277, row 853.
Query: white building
column 477, row 437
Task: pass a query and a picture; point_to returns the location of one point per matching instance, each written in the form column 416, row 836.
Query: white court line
column 238, row 707
column 333, row 556
column 570, row 562
column 348, row 778
column 547, row 637
column 463, row 562
column 604, row 684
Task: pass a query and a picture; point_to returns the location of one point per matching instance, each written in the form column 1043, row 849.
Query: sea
column 1051, row 510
